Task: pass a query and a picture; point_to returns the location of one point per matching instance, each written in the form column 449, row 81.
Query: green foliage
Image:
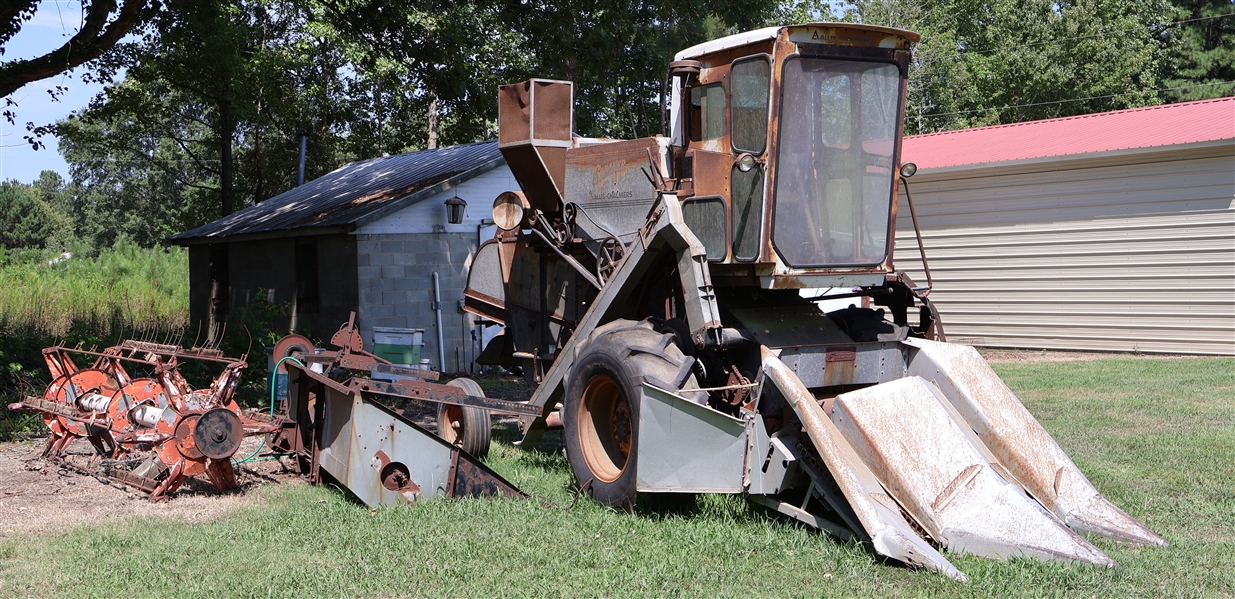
column 125, row 291
column 126, row 287
column 250, row 332
column 33, row 215
column 1201, row 55
column 986, row 62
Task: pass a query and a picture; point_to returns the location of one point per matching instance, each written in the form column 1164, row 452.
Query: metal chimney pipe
column 300, row 166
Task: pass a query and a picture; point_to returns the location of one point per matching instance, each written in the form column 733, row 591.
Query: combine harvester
column 654, row 290
column 652, row 287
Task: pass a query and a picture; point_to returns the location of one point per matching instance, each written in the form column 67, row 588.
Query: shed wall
column 266, row 270
column 396, row 289
column 399, row 253
column 1087, row 253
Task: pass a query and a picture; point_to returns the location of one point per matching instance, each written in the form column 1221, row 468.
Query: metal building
column 367, row 237
column 1107, row 232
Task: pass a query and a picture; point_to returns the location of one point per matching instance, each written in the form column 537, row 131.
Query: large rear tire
column 465, row 426
column 600, row 415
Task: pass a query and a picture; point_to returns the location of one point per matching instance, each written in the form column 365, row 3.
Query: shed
column 1107, row 232
column 368, row 237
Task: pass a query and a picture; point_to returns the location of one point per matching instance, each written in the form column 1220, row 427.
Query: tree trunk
column 227, row 131
column 433, row 123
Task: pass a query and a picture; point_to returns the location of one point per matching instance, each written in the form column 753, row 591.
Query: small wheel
column 600, row 415
column 465, row 426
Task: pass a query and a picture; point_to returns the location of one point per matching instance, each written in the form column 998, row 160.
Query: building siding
column 1133, row 253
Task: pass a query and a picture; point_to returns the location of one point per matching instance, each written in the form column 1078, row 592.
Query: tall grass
column 124, row 291
column 125, row 287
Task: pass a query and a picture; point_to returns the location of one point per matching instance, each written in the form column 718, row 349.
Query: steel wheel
column 605, row 433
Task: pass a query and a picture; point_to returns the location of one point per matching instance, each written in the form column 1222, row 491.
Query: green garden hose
column 273, row 385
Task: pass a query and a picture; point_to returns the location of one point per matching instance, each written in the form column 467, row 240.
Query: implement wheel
column 600, row 415
column 465, row 426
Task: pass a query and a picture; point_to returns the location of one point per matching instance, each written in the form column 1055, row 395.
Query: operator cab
column 786, row 147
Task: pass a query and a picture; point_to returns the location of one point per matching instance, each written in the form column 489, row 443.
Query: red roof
column 1166, row 125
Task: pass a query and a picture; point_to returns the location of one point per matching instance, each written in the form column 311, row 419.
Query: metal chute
column 1020, row 443
column 907, row 434
column 878, row 513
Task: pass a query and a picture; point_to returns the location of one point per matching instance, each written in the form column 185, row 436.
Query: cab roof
column 770, row 33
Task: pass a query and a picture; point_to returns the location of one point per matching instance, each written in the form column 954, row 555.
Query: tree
column 615, row 51
column 28, row 220
column 213, row 100
column 103, row 25
column 1201, row 61
column 985, row 62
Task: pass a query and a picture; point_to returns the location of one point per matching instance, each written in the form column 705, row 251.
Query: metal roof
column 357, row 193
column 1136, row 128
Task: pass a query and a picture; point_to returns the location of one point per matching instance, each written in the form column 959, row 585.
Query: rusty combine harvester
column 653, row 288
column 164, row 430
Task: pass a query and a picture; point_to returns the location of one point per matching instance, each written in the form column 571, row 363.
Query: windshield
column 834, row 180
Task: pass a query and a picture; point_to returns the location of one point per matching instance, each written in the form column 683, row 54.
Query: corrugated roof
column 356, row 191
column 1153, row 126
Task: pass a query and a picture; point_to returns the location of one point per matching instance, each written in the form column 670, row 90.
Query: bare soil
column 39, row 495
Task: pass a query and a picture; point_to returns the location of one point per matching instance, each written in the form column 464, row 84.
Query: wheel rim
column 605, row 432
column 452, row 424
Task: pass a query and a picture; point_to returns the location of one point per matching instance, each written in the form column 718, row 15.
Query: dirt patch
column 38, row 495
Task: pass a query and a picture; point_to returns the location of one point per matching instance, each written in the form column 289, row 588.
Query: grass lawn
column 1157, row 436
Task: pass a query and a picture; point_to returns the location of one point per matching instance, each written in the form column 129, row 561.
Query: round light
column 908, row 169
column 508, row 210
column 746, row 162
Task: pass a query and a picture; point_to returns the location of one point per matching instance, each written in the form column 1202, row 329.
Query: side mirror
column 908, row 169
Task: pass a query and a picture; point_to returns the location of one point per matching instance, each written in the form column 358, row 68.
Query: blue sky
column 53, row 24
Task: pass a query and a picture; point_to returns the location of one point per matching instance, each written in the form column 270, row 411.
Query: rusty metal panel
column 535, row 120
column 385, row 459
column 878, row 514
column 710, row 172
column 688, row 448
column 609, row 186
column 929, row 460
column 485, row 294
column 1019, row 442
column 845, row 364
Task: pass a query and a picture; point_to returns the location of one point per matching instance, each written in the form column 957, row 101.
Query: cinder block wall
column 395, row 278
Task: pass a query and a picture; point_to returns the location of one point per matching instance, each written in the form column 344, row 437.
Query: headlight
column 509, row 209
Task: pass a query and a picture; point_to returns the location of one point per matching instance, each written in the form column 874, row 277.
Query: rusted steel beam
column 442, row 394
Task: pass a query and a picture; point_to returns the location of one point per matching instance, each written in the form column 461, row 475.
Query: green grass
column 1157, row 436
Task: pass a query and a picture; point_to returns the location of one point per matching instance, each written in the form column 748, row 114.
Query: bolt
column 219, row 436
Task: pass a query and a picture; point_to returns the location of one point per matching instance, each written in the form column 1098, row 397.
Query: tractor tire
column 600, row 414
column 465, row 426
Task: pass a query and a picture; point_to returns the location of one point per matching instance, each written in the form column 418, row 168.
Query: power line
column 1077, row 99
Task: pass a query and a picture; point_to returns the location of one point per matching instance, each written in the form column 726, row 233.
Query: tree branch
column 95, row 37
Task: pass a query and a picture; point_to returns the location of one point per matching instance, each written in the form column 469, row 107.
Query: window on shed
column 306, row 275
